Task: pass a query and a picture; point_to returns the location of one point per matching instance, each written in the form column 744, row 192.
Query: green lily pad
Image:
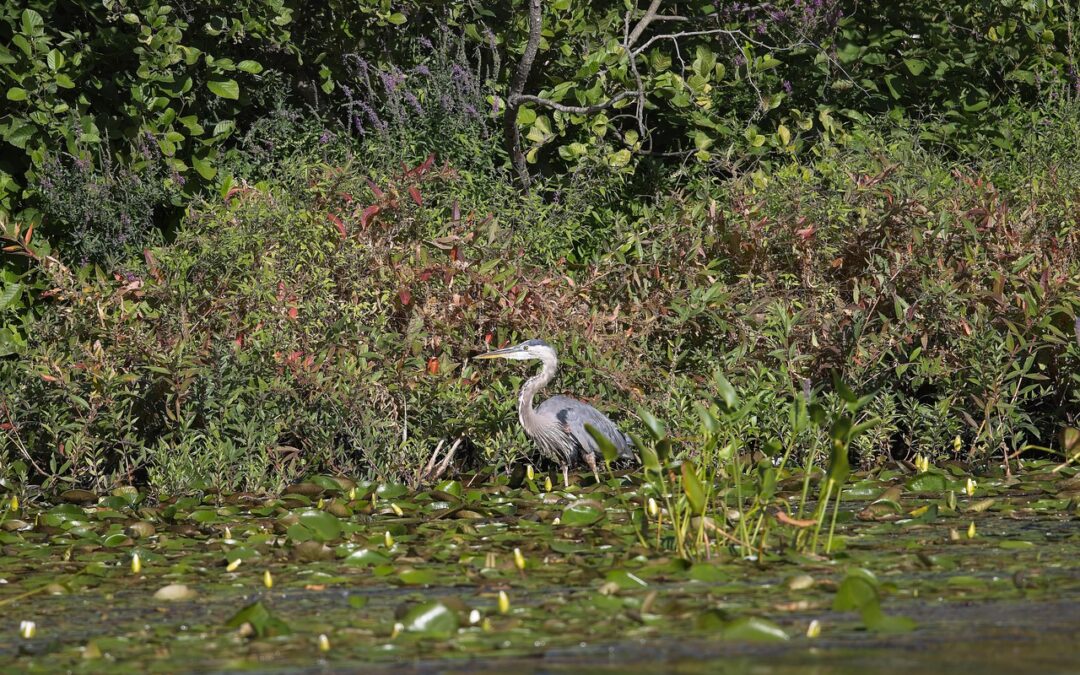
column 433, row 619
column 582, row 513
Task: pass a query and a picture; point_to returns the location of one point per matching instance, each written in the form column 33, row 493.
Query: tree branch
column 573, row 109
column 511, row 134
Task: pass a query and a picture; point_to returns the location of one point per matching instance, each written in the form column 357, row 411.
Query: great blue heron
column 557, row 425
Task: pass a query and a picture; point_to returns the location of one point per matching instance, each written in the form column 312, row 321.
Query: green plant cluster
column 239, row 247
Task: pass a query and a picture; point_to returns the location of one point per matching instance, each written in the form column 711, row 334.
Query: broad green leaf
column 607, row 448
column 692, row 487
column 582, row 513
column 16, row 94
column 752, row 628
column 431, row 618
column 323, row 525
column 224, row 88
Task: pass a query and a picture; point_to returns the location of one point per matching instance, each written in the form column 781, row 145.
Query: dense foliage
column 240, row 246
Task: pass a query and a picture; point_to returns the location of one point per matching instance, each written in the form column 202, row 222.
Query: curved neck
column 526, row 412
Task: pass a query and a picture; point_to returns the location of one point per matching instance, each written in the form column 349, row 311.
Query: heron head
column 526, row 351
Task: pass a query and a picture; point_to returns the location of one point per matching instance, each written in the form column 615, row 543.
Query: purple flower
column 787, row 86
column 411, row 99
column 422, row 70
column 426, row 43
column 325, row 137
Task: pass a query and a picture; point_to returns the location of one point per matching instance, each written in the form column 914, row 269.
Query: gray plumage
column 557, row 426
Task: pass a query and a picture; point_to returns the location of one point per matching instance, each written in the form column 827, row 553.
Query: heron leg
column 566, row 475
column 590, row 459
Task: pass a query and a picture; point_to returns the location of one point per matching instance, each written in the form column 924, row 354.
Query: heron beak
column 498, row 353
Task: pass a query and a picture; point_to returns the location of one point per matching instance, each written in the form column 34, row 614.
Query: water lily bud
column 231, row 567
column 474, row 617
column 228, row 532
column 320, row 504
column 268, row 580
column 922, row 463
column 504, row 602
column 27, row 629
column 136, row 563
column 489, row 560
column 485, row 625
column 547, row 484
column 397, row 509
column 950, row 500
column 654, row 510
column 529, row 472
column 352, row 494
column 324, row 643
column 969, row 488
column 388, row 539
column 14, row 502
column 814, row 629
column 557, row 521
column 519, row 560
column 956, row 444
column 398, row 627
column 971, row 530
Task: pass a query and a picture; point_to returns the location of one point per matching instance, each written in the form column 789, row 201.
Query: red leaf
column 6, row 426
column 293, row 357
column 433, row 366
column 280, row 291
column 369, row 213
column 346, row 196
column 405, row 296
column 375, row 189
column 239, row 340
column 455, row 213
column 337, row 223
column 488, row 338
column 414, row 192
column 293, row 312
column 423, row 168
column 806, row 232
column 454, row 254
column 49, row 378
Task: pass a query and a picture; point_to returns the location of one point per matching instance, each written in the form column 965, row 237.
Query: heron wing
column 573, row 415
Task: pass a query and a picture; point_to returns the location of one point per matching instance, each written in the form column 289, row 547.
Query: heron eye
column 526, row 347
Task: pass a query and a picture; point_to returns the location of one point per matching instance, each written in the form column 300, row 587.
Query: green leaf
column 32, row 23
column 726, row 391
column 260, row 619
column 55, row 60
column 607, row 448
column 397, row 18
column 431, row 618
column 16, row 94
column 655, row 426
column 249, row 66
column 225, row 88
column 204, row 167
column 704, row 62
column 692, row 487
column 915, row 66
column 752, row 628
column 365, row 557
column 323, row 525
column 582, row 513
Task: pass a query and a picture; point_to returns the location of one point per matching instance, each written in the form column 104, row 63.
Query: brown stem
column 511, row 134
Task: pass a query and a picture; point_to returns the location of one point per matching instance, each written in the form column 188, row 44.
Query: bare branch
column 572, row 109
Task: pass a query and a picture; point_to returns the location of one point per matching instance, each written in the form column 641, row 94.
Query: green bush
column 322, row 319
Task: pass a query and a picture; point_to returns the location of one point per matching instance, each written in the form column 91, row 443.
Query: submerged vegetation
column 821, row 260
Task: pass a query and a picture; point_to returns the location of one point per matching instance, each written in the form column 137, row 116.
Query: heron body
column 557, row 426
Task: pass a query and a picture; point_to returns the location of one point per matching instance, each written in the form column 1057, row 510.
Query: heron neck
column 526, row 412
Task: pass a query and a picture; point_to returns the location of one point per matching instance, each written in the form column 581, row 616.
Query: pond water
column 481, row 576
